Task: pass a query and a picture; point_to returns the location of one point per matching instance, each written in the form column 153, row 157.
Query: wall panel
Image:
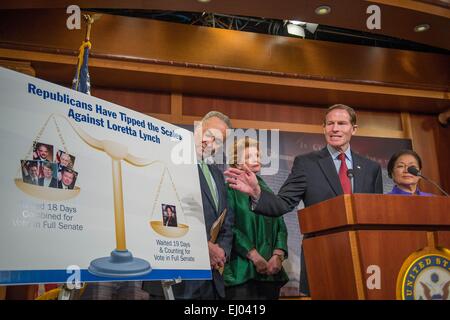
column 145, row 102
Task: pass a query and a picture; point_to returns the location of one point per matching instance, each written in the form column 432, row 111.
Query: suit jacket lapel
column 329, row 170
column 358, row 173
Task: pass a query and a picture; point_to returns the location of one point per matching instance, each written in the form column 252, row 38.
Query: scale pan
column 52, row 194
column 170, row 232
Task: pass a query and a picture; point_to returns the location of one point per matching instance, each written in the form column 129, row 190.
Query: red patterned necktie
column 345, row 180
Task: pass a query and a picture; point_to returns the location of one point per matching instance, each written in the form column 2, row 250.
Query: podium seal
column 425, row 275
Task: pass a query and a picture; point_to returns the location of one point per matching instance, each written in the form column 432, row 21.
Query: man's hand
column 216, row 255
column 244, row 181
column 259, row 262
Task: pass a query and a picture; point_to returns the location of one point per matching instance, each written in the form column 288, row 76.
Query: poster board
column 122, row 200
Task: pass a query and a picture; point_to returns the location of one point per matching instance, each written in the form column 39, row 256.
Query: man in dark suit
column 209, row 136
column 32, row 175
column 68, row 177
column 319, row 175
column 42, row 153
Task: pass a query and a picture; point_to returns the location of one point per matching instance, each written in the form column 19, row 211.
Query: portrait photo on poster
column 169, row 215
column 64, row 159
column 42, row 151
column 68, row 178
column 30, row 171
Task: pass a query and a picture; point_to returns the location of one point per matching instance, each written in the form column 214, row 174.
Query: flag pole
column 82, row 74
column 121, row 262
column 90, row 20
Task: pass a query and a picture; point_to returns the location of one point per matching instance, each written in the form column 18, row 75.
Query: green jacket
column 253, row 231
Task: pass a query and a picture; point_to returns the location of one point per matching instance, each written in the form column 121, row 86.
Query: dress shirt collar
column 335, row 153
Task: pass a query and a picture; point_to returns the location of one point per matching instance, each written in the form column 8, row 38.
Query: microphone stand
column 434, row 184
column 415, row 172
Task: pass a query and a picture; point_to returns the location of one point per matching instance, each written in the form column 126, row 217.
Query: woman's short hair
column 48, row 165
column 238, row 148
column 398, row 154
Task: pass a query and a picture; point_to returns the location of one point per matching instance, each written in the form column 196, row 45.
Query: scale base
column 119, row 264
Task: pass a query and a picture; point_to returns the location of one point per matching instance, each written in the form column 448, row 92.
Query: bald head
column 210, row 134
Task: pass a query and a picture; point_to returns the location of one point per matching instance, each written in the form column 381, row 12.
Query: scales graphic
column 121, row 262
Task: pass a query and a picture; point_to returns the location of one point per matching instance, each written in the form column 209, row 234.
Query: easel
column 167, row 288
column 68, row 294
column 63, row 293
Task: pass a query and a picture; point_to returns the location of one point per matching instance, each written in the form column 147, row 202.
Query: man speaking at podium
column 316, row 176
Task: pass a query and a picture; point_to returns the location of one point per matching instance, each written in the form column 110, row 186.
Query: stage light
column 444, row 118
column 322, row 10
column 311, row 27
column 204, row 1
column 295, row 30
column 294, row 26
column 422, row 27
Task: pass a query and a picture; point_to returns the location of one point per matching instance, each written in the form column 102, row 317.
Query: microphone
column 350, row 174
column 415, row 172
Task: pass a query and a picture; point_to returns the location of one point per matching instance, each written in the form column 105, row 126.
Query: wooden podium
column 346, row 235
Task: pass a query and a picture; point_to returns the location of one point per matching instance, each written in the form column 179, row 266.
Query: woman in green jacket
column 255, row 269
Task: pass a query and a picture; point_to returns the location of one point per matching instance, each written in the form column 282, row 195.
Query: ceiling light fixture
column 422, row 27
column 322, row 10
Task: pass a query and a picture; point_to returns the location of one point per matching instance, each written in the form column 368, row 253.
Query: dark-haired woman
column 405, row 182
